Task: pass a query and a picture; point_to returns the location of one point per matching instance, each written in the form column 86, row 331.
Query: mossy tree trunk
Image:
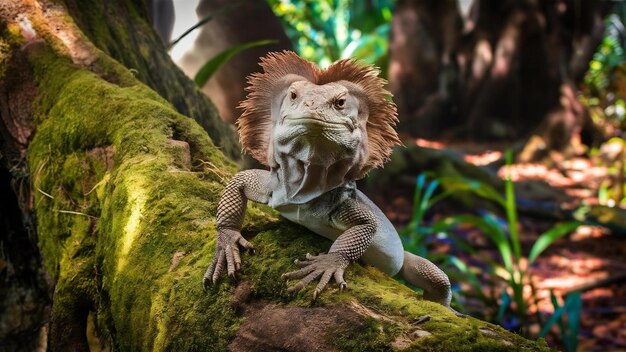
column 124, row 189
column 121, row 30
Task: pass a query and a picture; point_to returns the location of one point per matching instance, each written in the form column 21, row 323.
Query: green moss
column 278, row 245
column 121, row 30
column 10, row 40
column 145, row 211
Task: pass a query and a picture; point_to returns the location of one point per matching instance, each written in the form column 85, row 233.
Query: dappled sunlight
column 574, row 264
column 536, row 171
column 505, row 50
column 136, row 202
column 483, row 58
column 566, row 273
column 512, row 182
column 425, row 143
column 585, row 232
column 483, row 158
column 579, row 178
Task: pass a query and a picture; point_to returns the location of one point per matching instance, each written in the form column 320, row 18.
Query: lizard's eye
column 340, row 103
column 293, row 95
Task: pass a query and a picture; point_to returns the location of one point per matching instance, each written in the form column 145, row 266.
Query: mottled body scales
column 318, row 131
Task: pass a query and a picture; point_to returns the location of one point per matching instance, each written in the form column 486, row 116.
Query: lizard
column 319, row 131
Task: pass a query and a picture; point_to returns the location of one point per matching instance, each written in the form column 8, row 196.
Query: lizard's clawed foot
column 324, row 265
column 227, row 252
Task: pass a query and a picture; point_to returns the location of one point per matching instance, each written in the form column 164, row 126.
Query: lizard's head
column 340, row 117
column 323, row 125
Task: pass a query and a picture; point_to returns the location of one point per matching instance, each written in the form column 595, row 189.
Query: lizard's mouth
column 312, row 121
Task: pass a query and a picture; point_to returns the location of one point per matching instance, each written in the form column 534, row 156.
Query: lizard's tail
column 422, row 273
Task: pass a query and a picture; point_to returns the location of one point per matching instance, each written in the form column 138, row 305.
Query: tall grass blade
column 511, row 211
column 574, row 303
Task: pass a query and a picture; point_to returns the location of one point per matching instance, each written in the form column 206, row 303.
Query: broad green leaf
column 461, row 184
column 421, row 200
column 561, row 323
column 497, row 235
column 548, row 237
column 209, row 68
column 518, row 292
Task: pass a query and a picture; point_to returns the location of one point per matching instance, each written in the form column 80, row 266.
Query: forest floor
column 590, row 260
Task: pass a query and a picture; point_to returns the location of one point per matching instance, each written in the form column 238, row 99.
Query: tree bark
column 124, row 189
column 505, row 69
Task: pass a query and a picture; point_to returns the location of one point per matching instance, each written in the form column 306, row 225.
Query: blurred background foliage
column 604, row 95
column 605, row 81
column 328, row 30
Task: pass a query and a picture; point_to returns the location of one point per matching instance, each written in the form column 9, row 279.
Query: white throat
column 304, row 172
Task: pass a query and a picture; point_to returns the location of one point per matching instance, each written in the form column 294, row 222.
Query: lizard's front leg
column 360, row 224
column 231, row 209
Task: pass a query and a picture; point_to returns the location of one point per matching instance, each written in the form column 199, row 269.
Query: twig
column 208, row 18
column 44, row 193
column 96, row 185
column 215, row 170
column 420, row 320
column 75, row 213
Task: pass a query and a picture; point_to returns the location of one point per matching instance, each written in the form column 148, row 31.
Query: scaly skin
column 361, row 226
column 318, row 131
column 250, row 184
